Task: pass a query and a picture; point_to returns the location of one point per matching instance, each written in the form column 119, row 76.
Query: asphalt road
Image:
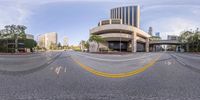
column 81, row 76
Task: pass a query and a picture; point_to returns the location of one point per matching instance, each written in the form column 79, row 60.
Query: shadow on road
column 25, row 72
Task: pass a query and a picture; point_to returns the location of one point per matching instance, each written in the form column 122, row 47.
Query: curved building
column 130, row 15
column 121, row 32
column 120, row 37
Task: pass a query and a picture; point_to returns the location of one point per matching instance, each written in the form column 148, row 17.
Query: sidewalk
column 111, row 53
column 27, row 53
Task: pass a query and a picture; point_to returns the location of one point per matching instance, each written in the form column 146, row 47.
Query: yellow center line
column 119, row 75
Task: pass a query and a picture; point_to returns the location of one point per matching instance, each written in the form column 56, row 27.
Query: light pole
column 16, row 43
column 120, row 42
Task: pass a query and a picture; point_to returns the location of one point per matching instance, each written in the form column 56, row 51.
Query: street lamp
column 120, row 42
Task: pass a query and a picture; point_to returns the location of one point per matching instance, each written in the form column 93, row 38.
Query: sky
column 74, row 18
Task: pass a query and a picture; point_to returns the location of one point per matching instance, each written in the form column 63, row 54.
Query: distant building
column 29, row 36
column 173, row 47
column 157, row 34
column 130, row 15
column 172, row 37
column 150, row 31
column 47, row 39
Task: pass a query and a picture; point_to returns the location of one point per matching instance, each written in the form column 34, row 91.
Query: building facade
column 173, row 37
column 120, row 37
column 130, row 15
column 121, row 32
column 47, row 39
column 30, row 36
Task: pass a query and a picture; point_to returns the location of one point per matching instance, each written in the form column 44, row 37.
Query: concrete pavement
column 64, row 79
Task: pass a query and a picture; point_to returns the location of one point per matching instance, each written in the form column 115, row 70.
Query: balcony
column 116, row 36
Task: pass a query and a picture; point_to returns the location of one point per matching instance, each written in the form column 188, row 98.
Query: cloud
column 166, row 16
column 19, row 11
column 170, row 19
column 173, row 25
column 13, row 13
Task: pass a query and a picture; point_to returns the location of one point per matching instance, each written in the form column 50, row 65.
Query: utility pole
column 120, row 42
column 16, row 43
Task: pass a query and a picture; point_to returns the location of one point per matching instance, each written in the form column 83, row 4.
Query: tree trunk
column 16, row 44
column 97, row 46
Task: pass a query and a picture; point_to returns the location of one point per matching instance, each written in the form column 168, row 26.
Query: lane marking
column 57, row 70
column 65, row 70
column 178, row 59
column 119, row 75
column 111, row 60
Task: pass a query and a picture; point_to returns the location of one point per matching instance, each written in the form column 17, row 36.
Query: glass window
column 120, row 13
column 135, row 16
column 126, row 15
column 131, row 15
column 116, row 21
column 123, row 13
column 105, row 22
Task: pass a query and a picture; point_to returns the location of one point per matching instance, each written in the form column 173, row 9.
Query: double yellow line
column 120, row 75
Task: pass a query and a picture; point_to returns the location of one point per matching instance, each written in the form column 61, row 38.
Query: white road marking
column 169, row 63
column 111, row 60
column 65, row 70
column 57, row 70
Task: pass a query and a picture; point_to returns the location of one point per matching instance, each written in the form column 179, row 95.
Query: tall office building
column 121, row 32
column 47, row 39
column 150, row 31
column 130, row 15
column 157, row 34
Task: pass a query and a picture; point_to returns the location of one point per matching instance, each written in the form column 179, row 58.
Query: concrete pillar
column 187, row 47
column 134, row 42
column 154, row 48
column 147, row 45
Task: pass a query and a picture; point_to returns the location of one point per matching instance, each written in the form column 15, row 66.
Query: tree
column 21, row 29
column 29, row 43
column 53, row 46
column 65, row 41
column 82, row 45
column 15, row 32
column 59, row 46
column 96, row 38
column 191, row 39
column 87, row 45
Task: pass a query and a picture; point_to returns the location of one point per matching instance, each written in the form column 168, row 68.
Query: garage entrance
column 115, row 45
column 140, row 47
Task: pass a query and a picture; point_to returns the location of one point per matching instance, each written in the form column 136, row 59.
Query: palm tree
column 96, row 38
